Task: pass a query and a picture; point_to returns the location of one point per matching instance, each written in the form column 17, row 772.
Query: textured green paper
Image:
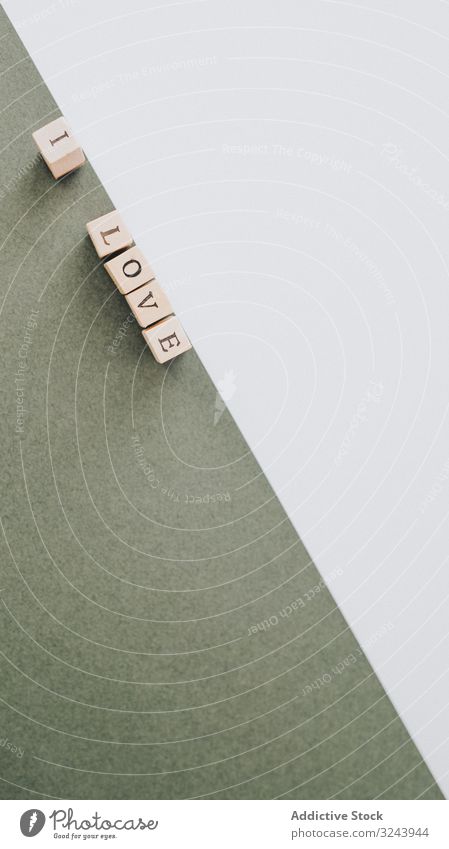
column 161, row 636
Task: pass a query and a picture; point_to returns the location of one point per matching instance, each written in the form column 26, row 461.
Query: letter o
column 132, row 273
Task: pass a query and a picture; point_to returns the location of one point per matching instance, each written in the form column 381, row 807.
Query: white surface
column 313, row 264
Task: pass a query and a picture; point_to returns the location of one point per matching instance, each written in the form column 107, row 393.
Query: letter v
column 144, row 304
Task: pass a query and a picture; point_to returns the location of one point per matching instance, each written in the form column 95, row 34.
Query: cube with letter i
column 59, row 147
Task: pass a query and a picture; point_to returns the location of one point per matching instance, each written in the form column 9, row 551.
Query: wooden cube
column 109, row 234
column 167, row 339
column 59, row 147
column 130, row 270
column 149, row 303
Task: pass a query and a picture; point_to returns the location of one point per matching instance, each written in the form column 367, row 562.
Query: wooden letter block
column 149, row 303
column 59, row 147
column 167, row 339
column 109, row 234
column 130, row 270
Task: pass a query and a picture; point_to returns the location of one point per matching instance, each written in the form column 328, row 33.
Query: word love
column 136, row 280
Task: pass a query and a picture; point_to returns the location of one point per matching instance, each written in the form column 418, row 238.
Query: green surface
column 131, row 664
